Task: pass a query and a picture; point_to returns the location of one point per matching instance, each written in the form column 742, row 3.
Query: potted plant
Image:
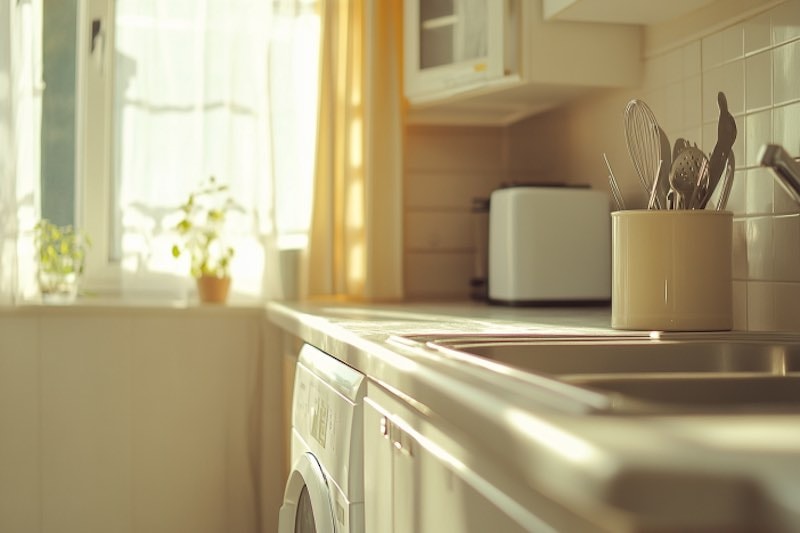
column 61, row 255
column 201, row 228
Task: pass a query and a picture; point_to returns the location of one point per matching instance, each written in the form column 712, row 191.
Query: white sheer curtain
column 211, row 88
column 20, row 121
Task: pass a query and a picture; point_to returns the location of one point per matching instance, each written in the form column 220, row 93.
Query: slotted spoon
column 686, row 173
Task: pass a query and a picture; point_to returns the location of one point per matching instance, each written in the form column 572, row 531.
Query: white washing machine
column 325, row 490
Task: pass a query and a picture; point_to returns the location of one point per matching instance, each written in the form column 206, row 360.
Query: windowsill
column 137, row 303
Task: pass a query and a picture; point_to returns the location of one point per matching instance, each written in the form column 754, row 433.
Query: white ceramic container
column 671, row 270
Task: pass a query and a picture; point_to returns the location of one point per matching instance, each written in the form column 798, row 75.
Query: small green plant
column 61, row 255
column 203, row 220
column 61, row 250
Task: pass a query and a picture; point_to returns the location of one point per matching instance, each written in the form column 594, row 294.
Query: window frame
column 94, row 93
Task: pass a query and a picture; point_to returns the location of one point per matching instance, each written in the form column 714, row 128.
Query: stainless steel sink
column 642, row 374
column 703, row 392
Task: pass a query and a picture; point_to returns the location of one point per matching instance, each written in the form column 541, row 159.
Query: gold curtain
column 355, row 243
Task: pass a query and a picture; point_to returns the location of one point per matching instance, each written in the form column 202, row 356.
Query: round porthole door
column 306, row 501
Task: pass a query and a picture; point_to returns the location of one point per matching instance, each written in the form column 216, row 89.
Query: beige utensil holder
column 671, row 270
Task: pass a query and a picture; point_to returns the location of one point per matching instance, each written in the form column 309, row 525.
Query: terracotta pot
column 211, row 289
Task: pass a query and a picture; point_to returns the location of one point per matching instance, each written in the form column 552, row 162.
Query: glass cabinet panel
column 452, row 43
column 451, row 31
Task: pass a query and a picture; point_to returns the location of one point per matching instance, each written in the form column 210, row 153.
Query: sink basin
column 625, row 355
column 640, row 373
column 703, row 392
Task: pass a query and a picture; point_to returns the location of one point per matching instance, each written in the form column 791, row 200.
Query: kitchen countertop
column 731, row 471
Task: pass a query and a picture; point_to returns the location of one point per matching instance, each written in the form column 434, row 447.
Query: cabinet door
column 377, row 470
column 412, row 484
column 434, row 491
column 452, row 44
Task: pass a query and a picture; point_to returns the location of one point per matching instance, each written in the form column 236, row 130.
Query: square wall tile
column 786, row 249
column 783, row 202
column 760, row 306
column 760, row 243
column 729, row 79
column 758, row 81
column 786, row 21
column 739, row 305
column 760, row 191
column 739, row 265
column 692, row 59
column 438, row 275
column 773, row 306
column 433, row 148
column 757, row 33
column 692, row 102
column 786, row 307
column 758, row 131
column 712, row 51
column 447, row 190
column 663, row 69
column 723, row 46
column 786, row 73
column 786, row 127
column 666, row 102
column 737, row 199
column 439, row 230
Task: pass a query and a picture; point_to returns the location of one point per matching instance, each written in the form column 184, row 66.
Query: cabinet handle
column 400, row 440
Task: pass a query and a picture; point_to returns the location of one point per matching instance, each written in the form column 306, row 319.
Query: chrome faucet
column 784, row 165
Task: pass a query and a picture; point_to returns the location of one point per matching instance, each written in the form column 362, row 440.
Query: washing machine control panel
column 327, row 416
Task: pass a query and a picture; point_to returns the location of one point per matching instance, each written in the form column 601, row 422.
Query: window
column 173, row 92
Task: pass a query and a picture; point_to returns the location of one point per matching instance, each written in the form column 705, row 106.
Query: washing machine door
column 306, row 501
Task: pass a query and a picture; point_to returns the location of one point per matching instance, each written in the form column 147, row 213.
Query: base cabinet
column 415, row 483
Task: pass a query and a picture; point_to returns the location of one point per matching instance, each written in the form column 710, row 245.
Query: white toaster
column 549, row 245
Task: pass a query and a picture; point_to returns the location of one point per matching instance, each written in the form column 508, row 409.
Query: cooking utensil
column 651, row 202
column 681, row 144
column 700, row 188
column 665, row 164
column 726, row 135
column 671, row 204
column 686, row 171
column 643, row 141
column 727, row 183
column 612, row 182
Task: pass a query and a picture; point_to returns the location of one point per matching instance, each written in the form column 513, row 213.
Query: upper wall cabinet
column 620, row 11
column 496, row 62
